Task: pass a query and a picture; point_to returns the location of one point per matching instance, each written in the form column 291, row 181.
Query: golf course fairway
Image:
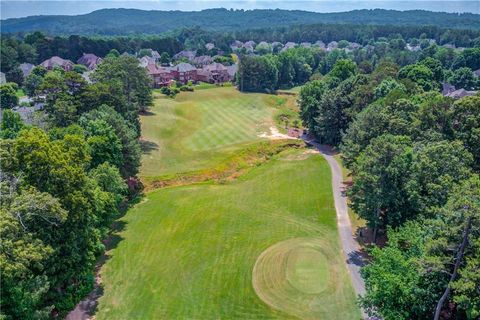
column 261, row 246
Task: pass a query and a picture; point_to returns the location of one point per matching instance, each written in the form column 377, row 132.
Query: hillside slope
column 132, row 21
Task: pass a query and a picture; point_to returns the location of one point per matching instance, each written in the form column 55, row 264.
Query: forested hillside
column 132, row 21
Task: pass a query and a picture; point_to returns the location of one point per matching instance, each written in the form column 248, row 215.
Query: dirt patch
column 275, row 135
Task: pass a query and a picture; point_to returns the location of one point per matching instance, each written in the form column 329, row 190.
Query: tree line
column 296, row 66
column 135, row 22
column 63, row 182
column 414, row 160
column 36, row 47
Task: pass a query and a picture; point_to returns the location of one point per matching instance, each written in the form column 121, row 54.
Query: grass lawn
column 264, row 246
column 293, row 90
column 199, row 129
column 20, row 93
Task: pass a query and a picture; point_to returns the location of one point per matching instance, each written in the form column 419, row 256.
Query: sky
column 22, row 8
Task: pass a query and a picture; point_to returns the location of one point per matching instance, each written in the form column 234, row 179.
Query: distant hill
column 133, row 21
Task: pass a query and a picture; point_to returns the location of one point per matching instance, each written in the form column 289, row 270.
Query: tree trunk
column 458, row 258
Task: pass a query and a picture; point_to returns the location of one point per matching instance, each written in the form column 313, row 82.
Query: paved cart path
column 350, row 246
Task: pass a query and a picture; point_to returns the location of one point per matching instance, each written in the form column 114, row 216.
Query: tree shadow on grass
column 87, row 308
column 147, row 113
column 148, row 146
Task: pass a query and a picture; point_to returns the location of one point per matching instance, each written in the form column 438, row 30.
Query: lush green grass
column 20, row 93
column 189, row 252
column 199, row 129
column 293, row 90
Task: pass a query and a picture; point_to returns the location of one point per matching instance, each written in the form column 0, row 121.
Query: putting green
column 200, row 129
column 299, row 277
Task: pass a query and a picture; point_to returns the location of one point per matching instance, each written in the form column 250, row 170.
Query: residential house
column 320, row 44
column 26, row 69
column 155, row 55
column 161, row 76
column 332, row 45
column 354, row 45
column 305, row 44
column 232, row 71
column 412, row 47
column 447, row 88
column 249, row 46
column 449, row 46
column 288, row 45
column 460, row 93
column 213, row 73
column 146, row 61
column 184, row 72
column 89, row 60
column 235, row 45
column 185, row 54
column 56, row 61
column 202, row 61
column 209, row 46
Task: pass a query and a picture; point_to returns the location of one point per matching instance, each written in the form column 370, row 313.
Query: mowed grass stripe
column 200, row 129
column 188, row 252
column 224, row 126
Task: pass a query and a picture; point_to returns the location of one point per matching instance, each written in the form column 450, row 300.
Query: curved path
column 351, row 249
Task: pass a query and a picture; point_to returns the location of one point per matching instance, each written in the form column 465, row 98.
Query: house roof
column 184, row 67
column 202, row 60
column 55, row 61
column 203, row 72
column 232, row 69
column 26, row 68
column 90, row 60
column 447, row 88
column 460, row 93
column 155, row 54
column 187, row 54
column 476, row 73
column 215, row 67
column 146, row 61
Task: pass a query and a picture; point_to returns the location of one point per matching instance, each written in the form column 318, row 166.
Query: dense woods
column 64, row 182
column 132, row 21
column 413, row 157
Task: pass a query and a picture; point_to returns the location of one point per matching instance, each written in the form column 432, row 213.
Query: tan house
column 89, row 60
column 56, row 61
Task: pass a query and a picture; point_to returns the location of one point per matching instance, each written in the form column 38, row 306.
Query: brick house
column 56, row 61
column 215, row 73
column 161, row 77
column 89, row 60
column 184, row 72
